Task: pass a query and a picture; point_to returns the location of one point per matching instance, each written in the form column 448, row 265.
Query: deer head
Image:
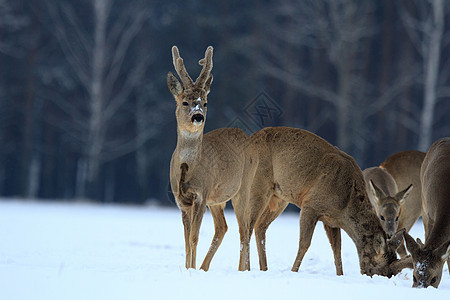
column 388, row 207
column 385, row 261
column 191, row 97
column 427, row 263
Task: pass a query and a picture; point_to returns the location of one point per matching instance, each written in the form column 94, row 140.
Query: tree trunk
column 34, row 177
column 431, row 66
column 343, row 106
column 81, row 178
column 141, row 152
column 96, row 124
column 109, row 191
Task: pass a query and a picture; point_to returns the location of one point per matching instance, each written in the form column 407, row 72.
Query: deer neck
column 439, row 233
column 189, row 147
column 363, row 228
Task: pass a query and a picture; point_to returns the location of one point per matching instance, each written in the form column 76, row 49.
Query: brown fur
column 328, row 186
column 404, row 167
column 206, row 170
column 430, row 257
column 385, row 198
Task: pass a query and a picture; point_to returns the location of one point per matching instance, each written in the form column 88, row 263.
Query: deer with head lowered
column 404, row 167
column 385, row 198
column 299, row 167
column 429, row 258
column 206, row 169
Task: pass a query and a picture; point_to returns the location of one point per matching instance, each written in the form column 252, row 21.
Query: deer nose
column 197, row 108
column 390, row 223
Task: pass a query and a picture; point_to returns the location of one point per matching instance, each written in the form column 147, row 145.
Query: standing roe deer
column 404, row 167
column 206, row 170
column 385, row 198
column 299, row 167
column 429, row 258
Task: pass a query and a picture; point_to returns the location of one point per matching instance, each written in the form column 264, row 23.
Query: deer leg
column 244, row 256
column 197, row 216
column 334, row 236
column 263, row 222
column 246, row 217
column 308, row 220
column 220, row 225
column 244, row 233
column 247, row 210
column 186, row 218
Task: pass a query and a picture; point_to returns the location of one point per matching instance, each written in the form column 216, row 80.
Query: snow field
column 85, row 251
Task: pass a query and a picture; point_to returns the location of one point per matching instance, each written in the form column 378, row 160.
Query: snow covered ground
column 84, row 251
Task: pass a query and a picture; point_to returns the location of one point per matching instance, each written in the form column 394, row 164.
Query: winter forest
column 85, row 112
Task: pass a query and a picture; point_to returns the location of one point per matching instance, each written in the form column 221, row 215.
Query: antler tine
column 180, row 68
column 207, row 67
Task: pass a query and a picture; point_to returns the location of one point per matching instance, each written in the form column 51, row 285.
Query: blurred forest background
column 85, row 112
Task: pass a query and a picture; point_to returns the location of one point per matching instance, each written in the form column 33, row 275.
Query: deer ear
column 376, row 191
column 175, row 86
column 404, row 262
column 419, row 242
column 402, row 195
column 443, row 251
column 411, row 244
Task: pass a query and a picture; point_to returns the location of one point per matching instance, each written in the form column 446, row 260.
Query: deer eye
column 185, row 103
column 396, row 219
column 382, row 218
column 204, row 105
column 433, row 280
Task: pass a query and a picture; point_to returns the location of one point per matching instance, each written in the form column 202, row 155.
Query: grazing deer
column 385, row 198
column 299, row 167
column 206, row 170
column 429, row 258
column 404, row 167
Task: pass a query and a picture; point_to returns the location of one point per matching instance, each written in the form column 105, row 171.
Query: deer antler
column 180, row 68
column 206, row 70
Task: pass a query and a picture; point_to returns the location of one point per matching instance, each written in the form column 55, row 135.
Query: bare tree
column 96, row 56
column 338, row 29
column 11, row 20
column 425, row 26
column 151, row 118
column 15, row 21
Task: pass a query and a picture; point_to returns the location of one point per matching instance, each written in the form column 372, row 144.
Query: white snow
column 84, row 251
